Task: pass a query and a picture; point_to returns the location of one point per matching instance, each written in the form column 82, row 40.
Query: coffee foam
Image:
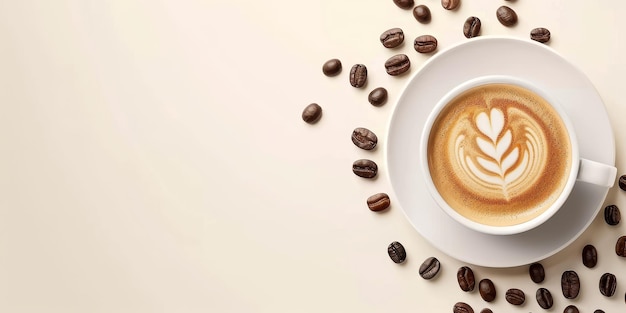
column 499, row 154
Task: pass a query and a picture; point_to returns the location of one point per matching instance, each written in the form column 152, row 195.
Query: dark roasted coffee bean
column 430, row 268
column 425, row 44
column 450, row 4
column 462, row 307
column 396, row 252
column 404, row 4
column 598, row 311
column 570, row 284
column 471, row 27
column 612, row 215
column 544, row 298
column 332, row 67
column 465, row 277
column 536, row 272
column 620, row 246
column 364, row 138
column 506, row 16
column 365, row 168
column 486, row 310
column 397, row 64
column 571, row 309
column 622, row 182
column 590, row 256
column 312, row 113
column 487, row 290
column 358, row 75
column 378, row 202
column 540, row 34
column 392, row 38
column 378, row 96
column 608, row 283
column 421, row 13
column 515, row 296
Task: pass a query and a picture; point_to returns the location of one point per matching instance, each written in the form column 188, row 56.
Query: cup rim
column 493, row 229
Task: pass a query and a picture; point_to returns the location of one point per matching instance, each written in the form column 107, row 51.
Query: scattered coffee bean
column 471, row 28
column 378, row 202
column 608, row 283
column 450, row 4
column 465, row 277
column 486, row 310
column 358, row 75
column 397, row 64
column 421, row 13
column 622, row 182
column 365, row 168
column 544, row 298
column 462, row 307
column 598, row 311
column 404, row 4
column 332, row 67
column 506, row 16
column 571, row 309
column 392, row 38
column 570, row 284
column 425, row 44
column 396, row 252
column 364, row 138
column 536, row 272
column 540, row 34
column 430, row 268
column 515, row 296
column 487, row 290
column 612, row 215
column 590, row 256
column 378, row 96
column 620, row 246
column 312, row 113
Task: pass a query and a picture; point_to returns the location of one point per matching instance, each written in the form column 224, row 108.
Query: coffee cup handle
column 596, row 173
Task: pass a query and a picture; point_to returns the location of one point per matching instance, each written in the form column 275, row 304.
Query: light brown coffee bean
column 378, row 202
column 450, row 4
column 425, row 44
column 312, row 113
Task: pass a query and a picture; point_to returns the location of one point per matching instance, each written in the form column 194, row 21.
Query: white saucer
column 491, row 56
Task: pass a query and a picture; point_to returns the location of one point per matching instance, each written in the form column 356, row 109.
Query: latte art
column 499, row 154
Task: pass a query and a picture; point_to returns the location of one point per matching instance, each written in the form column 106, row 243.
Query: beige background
column 153, row 159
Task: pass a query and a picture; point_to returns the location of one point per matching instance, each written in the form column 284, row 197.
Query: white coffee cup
column 478, row 168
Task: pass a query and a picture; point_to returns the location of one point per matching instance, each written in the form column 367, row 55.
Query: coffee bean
column 404, row 4
column 392, row 38
column 570, row 284
column 540, row 34
column 425, row 44
column 598, row 311
column 571, row 309
column 332, row 67
column 471, row 28
column 364, row 138
column 487, row 290
column 620, row 246
column 506, row 16
column 378, row 96
column 396, row 252
column 465, row 277
column 608, row 283
column 462, row 307
column 590, row 256
column 365, row 168
column 421, row 13
column 358, row 75
column 486, row 310
column 622, row 182
column 397, row 64
column 544, row 298
column 536, row 272
column 515, row 296
column 612, row 215
column 430, row 268
column 450, row 4
column 312, row 113
column 378, row 202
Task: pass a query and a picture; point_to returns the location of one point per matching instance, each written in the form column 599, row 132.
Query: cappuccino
column 499, row 154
